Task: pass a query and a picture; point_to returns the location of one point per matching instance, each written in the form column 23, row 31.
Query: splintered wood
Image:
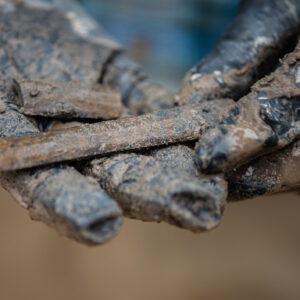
column 165, row 127
column 49, row 98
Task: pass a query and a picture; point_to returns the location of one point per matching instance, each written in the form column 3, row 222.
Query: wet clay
column 265, row 120
column 261, row 33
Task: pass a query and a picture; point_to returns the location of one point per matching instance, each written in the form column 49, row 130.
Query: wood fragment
column 148, row 190
column 73, row 99
column 162, row 128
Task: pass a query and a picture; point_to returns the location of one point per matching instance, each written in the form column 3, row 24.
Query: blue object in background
column 166, row 36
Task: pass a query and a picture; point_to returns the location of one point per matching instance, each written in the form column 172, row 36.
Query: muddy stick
column 269, row 174
column 150, row 191
column 161, row 128
column 261, row 33
column 264, row 121
column 73, row 99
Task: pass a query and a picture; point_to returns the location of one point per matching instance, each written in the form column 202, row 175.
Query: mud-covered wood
column 262, row 31
column 149, row 190
column 165, row 127
column 264, row 121
column 73, row 99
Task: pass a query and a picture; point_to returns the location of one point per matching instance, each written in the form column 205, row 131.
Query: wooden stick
column 162, row 128
column 49, row 98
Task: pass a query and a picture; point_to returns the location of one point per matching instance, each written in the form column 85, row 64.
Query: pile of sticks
column 87, row 137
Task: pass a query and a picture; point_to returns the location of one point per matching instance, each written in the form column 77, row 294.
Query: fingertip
column 212, row 154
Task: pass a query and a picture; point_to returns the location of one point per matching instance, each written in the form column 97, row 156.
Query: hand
column 264, row 119
column 89, row 56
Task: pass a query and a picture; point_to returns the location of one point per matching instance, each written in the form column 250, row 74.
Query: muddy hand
column 265, row 120
column 262, row 31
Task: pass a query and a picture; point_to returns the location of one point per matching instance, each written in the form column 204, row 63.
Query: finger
column 265, row 120
column 261, row 32
column 59, row 196
column 139, row 93
column 269, row 174
column 148, row 190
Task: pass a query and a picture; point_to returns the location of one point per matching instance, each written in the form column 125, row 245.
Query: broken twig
column 48, row 98
column 165, row 127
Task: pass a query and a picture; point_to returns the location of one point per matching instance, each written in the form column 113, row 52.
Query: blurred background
column 166, row 36
column 254, row 254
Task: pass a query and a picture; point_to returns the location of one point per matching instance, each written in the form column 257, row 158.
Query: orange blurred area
column 254, row 254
